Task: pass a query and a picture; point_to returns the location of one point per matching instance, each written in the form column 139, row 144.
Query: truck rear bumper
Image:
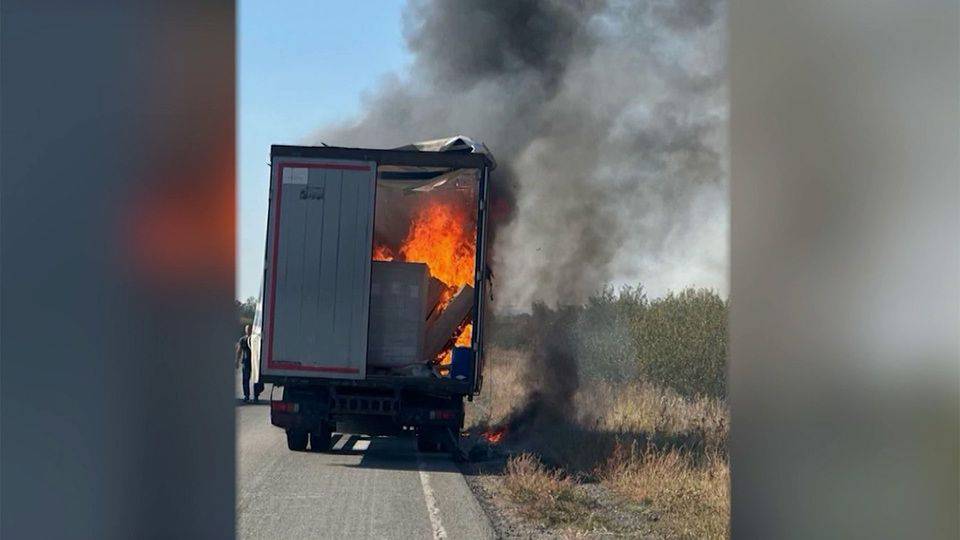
column 308, row 408
column 294, row 421
column 428, row 384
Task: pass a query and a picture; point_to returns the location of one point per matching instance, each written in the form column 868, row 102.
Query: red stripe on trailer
column 279, row 364
column 278, row 180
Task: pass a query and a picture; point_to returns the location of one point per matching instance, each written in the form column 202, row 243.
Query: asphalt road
column 366, row 487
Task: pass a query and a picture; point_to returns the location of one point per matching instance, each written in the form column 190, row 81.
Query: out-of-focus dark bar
column 845, row 269
column 117, row 221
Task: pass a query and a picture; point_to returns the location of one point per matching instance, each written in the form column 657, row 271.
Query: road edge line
column 433, row 511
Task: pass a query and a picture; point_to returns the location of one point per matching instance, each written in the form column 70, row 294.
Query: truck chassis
column 312, row 412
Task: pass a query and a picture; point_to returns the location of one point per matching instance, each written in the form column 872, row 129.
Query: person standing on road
column 244, row 358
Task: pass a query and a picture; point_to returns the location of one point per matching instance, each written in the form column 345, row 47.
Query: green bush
column 245, row 311
column 681, row 342
column 678, row 341
column 509, row 331
column 603, row 334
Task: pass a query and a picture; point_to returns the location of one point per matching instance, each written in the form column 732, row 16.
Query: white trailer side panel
column 319, row 244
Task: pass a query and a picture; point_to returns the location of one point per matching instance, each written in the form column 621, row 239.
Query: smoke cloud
column 607, row 121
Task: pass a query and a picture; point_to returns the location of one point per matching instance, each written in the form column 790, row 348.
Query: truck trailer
column 370, row 319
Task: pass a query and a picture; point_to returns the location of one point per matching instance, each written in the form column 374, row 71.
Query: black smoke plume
column 608, row 123
column 607, row 120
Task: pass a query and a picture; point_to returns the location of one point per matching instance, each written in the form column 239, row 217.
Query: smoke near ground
column 608, row 124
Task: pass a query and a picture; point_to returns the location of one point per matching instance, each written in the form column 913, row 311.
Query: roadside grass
column 657, row 416
column 549, row 496
column 503, row 389
column 692, row 497
column 687, row 480
column 648, row 445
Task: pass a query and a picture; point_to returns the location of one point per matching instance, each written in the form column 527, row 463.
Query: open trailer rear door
column 317, row 273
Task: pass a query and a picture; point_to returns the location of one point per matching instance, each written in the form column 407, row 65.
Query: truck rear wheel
column 320, row 439
column 296, row 440
column 428, row 440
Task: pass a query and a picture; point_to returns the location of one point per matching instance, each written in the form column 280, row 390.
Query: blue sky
column 301, row 65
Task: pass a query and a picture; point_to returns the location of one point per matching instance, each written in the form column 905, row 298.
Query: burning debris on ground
column 494, row 435
column 551, row 379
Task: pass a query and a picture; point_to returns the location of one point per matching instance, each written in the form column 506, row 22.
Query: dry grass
column 611, row 406
column 503, row 388
column 658, row 412
column 547, row 496
column 689, row 486
column 647, row 444
column 692, row 498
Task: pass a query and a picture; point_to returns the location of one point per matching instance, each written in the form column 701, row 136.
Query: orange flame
column 383, row 253
column 463, row 340
column 441, row 239
column 495, row 435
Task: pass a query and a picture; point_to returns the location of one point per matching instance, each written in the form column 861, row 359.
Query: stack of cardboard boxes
column 408, row 324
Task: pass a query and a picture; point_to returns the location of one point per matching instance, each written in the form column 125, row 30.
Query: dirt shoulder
column 589, row 509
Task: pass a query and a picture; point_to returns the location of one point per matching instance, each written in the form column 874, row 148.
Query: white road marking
column 432, row 509
column 361, row 445
column 344, row 437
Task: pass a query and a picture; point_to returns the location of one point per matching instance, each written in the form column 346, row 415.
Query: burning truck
column 371, row 312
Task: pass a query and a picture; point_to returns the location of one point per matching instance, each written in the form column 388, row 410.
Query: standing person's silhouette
column 243, row 358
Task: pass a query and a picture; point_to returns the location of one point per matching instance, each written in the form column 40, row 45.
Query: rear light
column 443, row 415
column 284, row 406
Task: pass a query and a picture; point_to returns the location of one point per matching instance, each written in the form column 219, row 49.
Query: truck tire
column 320, row 439
column 428, row 441
column 296, row 440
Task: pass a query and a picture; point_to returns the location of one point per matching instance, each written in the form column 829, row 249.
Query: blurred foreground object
column 117, row 286
column 844, row 292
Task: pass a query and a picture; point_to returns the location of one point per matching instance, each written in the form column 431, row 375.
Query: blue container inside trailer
column 461, row 364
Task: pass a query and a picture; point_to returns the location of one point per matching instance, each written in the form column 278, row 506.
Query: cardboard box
column 440, row 331
column 398, row 301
